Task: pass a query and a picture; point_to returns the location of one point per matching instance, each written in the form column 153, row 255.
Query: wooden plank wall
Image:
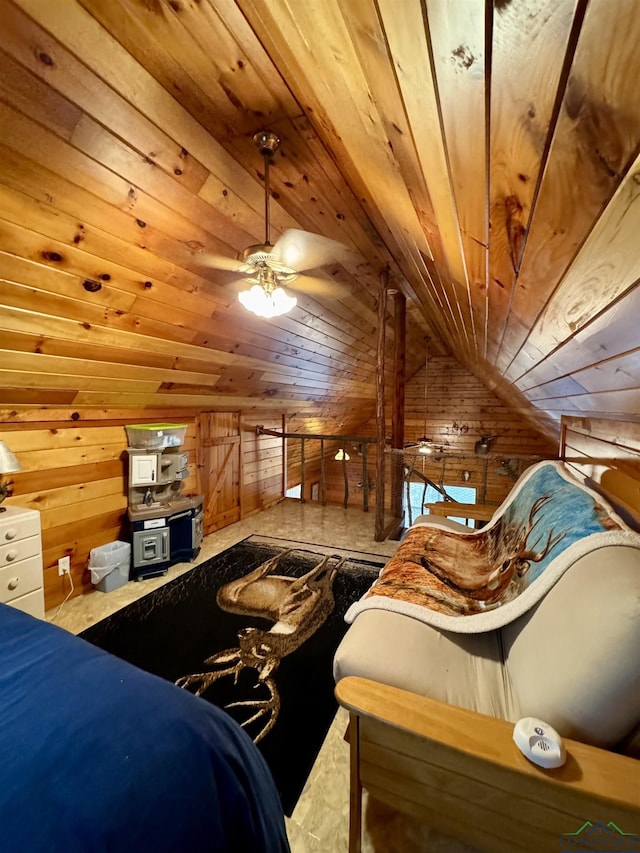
column 262, row 463
column 355, row 477
column 459, row 410
column 74, row 473
column 606, row 452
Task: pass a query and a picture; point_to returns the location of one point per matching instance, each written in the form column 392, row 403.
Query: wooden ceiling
column 487, row 153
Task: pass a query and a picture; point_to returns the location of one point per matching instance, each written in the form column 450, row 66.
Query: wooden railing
column 394, row 512
column 343, row 440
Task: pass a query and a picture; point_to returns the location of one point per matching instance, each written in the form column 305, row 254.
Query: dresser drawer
column 18, row 526
column 18, row 550
column 19, row 579
column 32, row 602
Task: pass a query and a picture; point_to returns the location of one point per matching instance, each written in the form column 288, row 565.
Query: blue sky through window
column 418, row 497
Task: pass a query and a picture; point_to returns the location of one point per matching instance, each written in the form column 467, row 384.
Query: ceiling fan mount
column 267, row 142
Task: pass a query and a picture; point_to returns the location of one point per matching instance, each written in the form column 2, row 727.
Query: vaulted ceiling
column 486, row 153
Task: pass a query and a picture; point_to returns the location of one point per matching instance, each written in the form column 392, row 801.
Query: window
column 420, row 496
column 295, row 492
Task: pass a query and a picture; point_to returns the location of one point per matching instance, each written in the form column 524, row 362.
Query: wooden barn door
column 219, row 466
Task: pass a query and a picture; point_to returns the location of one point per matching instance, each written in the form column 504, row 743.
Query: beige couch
column 573, row 661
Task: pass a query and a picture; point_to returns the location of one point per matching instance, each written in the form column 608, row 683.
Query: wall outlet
column 64, row 565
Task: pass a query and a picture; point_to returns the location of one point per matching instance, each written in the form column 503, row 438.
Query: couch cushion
column 461, row 669
column 573, row 659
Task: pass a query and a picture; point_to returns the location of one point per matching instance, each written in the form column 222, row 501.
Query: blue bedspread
column 96, row 755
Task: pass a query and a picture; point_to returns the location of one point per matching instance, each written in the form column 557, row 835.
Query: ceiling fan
column 267, row 267
column 425, row 445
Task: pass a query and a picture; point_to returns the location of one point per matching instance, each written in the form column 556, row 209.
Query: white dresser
column 21, row 581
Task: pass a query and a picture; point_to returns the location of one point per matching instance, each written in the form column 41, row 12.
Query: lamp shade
column 267, row 303
column 8, row 462
column 342, row 456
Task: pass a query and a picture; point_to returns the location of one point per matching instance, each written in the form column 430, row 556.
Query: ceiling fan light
column 264, row 304
column 282, row 302
column 425, row 445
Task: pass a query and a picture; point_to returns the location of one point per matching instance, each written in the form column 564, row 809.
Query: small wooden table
column 447, row 509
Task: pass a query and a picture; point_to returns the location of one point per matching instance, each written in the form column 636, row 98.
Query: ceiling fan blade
column 318, row 287
column 221, row 262
column 302, row 250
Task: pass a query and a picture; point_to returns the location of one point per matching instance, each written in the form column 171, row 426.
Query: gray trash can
column 109, row 565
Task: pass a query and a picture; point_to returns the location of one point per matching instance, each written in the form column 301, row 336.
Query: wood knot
column 105, row 276
column 91, row 286
column 141, row 223
column 148, row 284
column 463, row 56
column 75, row 416
column 513, row 205
column 44, row 58
column 52, row 256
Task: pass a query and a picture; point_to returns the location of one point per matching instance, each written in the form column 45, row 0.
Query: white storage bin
column 109, row 565
column 155, row 436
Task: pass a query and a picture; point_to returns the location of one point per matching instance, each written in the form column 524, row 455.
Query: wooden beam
column 397, row 412
column 380, row 419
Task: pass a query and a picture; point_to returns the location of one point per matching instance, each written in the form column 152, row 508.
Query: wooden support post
column 302, row 472
column 397, row 412
column 323, row 475
column 241, row 468
column 380, row 420
column 365, row 479
column 346, row 479
column 285, row 453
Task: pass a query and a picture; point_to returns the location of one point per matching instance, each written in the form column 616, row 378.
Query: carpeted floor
column 262, row 644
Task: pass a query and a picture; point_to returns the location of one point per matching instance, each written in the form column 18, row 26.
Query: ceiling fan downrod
column 267, row 144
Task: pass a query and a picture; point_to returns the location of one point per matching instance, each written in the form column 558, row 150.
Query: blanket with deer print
column 478, row 581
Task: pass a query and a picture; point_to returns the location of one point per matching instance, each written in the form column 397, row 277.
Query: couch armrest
column 462, row 773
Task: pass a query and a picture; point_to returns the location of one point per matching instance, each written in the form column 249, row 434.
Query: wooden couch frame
column 460, row 771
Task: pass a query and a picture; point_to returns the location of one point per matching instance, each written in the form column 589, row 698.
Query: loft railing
column 402, row 461
column 361, row 441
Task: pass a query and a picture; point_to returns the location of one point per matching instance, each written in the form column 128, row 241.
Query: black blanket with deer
column 480, row 580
